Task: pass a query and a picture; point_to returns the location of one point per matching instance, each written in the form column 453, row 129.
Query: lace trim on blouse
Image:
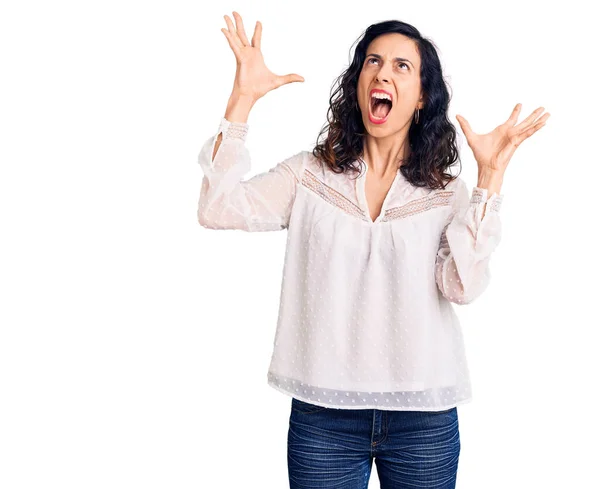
column 477, row 198
column 310, row 181
column 235, row 130
column 417, row 206
column 438, row 199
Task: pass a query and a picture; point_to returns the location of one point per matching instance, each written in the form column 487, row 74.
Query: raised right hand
column 252, row 77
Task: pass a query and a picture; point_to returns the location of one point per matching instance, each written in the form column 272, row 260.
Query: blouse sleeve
column 260, row 203
column 467, row 243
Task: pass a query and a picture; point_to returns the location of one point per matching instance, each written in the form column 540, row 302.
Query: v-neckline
column 362, row 194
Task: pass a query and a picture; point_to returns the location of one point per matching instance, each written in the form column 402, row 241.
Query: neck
column 384, row 156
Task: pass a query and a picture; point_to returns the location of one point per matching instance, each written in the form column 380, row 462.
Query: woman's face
column 400, row 78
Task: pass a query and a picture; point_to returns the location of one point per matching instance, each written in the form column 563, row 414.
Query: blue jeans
column 331, row 448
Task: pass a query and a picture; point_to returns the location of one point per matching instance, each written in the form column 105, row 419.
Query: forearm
column 238, row 110
column 492, row 181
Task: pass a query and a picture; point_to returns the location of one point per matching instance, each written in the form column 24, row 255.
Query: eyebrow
column 395, row 59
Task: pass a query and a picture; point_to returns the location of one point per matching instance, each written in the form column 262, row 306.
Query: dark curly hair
column 432, row 141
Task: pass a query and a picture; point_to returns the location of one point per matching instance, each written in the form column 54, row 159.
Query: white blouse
column 365, row 316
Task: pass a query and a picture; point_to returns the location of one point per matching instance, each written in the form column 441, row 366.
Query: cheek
column 362, row 103
column 362, row 85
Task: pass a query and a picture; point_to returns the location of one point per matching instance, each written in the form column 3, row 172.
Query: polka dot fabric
column 366, row 318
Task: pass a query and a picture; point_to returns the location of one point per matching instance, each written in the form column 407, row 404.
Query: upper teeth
column 381, row 95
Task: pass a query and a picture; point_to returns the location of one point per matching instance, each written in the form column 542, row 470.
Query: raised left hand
column 494, row 150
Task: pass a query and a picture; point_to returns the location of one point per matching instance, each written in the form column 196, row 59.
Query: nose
column 382, row 76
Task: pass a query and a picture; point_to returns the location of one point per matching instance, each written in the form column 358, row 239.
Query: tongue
column 381, row 110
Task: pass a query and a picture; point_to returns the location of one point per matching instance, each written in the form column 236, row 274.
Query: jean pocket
column 305, row 407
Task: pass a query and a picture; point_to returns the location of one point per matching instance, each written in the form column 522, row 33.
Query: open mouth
column 379, row 107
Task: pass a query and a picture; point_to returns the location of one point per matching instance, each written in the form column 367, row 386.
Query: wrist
column 238, row 108
column 239, row 98
column 490, row 180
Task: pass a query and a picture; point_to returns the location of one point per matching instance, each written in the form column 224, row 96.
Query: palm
column 253, row 73
column 495, row 149
column 252, row 77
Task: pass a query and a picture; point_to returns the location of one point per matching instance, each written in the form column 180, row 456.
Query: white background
column 134, row 344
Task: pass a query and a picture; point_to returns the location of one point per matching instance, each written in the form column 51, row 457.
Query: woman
column 367, row 344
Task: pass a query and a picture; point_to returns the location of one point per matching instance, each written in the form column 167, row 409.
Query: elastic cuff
column 233, row 130
column 494, row 201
